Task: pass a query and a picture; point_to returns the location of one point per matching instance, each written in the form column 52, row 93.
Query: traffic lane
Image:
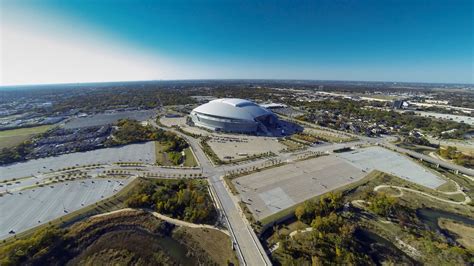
column 244, row 238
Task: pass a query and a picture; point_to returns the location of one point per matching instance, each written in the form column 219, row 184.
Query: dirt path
column 167, row 219
column 436, row 156
column 187, row 224
column 467, row 199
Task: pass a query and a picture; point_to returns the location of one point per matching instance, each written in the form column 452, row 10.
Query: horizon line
column 229, row 79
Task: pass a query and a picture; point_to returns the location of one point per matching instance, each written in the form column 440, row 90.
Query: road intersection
column 245, row 241
column 248, row 245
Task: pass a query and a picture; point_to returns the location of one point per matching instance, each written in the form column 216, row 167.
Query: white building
column 233, row 115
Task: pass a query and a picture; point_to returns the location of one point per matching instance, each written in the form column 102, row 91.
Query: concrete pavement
column 249, row 248
column 430, row 159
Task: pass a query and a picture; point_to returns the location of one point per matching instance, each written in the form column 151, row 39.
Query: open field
column 143, row 152
column 238, row 147
column 108, row 118
column 464, row 233
column 190, row 160
column 465, row 146
column 13, row 137
column 377, row 158
column 211, row 240
column 449, row 186
column 162, row 157
column 271, row 191
column 27, row 209
column 128, row 236
column 160, row 154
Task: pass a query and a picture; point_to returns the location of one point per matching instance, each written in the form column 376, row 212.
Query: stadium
column 234, row 115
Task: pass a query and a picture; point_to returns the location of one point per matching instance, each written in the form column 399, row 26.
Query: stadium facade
column 234, row 115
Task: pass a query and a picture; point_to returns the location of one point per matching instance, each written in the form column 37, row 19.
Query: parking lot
column 274, row 190
column 20, row 212
column 108, row 118
column 229, row 146
column 173, row 121
column 236, row 147
column 143, row 152
column 393, row 163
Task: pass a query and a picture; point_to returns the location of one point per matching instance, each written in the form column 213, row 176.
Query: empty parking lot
column 393, row 163
column 237, row 147
column 33, row 207
column 108, row 118
column 273, row 190
column 143, row 152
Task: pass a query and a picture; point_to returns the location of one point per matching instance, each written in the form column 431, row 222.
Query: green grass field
column 190, row 160
column 13, row 137
column 209, row 239
column 162, row 157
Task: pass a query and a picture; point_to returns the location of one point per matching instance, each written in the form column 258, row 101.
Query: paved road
column 248, row 246
column 250, row 249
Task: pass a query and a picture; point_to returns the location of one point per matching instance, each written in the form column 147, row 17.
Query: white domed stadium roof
column 233, row 108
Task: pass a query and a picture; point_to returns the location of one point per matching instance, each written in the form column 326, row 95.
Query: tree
column 382, row 204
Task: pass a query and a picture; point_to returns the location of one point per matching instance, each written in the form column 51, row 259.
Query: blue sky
column 405, row 40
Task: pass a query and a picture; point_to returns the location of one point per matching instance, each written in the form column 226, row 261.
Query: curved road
column 248, row 245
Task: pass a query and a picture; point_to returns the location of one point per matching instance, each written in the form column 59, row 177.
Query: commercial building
column 234, row 115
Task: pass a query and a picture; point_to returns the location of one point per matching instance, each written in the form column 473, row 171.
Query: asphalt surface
column 141, row 152
column 249, row 248
column 273, row 190
column 108, row 118
column 244, row 238
column 23, row 210
column 430, row 159
column 387, row 161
